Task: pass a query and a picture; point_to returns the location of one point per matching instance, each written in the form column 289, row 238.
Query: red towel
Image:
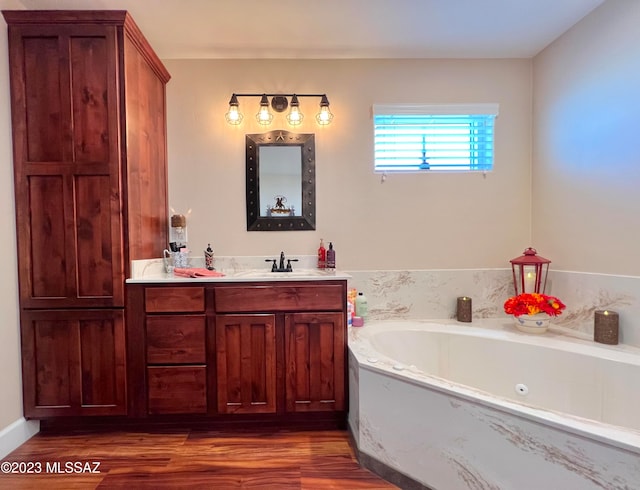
column 196, row 272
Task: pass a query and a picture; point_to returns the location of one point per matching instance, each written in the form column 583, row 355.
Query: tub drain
column 522, row 389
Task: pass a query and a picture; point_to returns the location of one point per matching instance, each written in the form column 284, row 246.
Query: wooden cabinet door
column 246, row 363
column 73, row 362
column 177, row 389
column 67, row 165
column 315, row 346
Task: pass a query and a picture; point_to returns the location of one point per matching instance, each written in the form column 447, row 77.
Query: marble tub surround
column 237, row 269
column 432, row 294
column 424, row 294
column 446, row 434
column 584, row 293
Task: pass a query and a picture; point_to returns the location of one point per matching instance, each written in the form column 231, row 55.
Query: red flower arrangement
column 532, row 303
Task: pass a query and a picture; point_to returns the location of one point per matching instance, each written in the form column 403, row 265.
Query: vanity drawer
column 174, row 299
column 176, row 339
column 177, row 389
column 324, row 297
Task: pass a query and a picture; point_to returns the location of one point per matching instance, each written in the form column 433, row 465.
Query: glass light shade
column 234, row 116
column 295, row 117
column 324, row 117
column 264, row 116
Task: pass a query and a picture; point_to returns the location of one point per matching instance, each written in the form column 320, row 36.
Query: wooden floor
column 277, row 460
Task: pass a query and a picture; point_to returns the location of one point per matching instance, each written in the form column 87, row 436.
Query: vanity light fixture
column 279, row 103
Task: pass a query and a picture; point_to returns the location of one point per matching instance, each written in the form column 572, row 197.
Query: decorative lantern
column 530, row 272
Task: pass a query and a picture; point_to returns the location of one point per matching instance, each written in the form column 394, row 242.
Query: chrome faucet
column 281, row 267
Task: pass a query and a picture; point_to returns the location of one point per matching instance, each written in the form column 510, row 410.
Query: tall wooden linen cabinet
column 90, row 163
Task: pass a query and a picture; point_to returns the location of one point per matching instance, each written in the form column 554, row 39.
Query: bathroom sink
column 267, row 274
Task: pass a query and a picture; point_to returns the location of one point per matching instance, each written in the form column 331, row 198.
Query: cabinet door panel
column 93, row 237
column 47, row 277
column 317, row 297
column 44, row 117
column 315, row 361
column 101, row 362
column 176, row 339
column 89, row 62
column 54, row 363
column 172, row 299
column 177, row 389
column 73, row 362
column 246, row 363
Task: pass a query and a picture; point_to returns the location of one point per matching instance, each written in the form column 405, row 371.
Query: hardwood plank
column 282, row 460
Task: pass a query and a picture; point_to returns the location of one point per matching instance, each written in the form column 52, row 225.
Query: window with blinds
column 422, row 138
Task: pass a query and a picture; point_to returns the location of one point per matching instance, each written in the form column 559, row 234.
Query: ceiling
column 340, row 29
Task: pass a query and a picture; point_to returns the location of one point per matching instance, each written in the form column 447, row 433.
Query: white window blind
column 425, row 137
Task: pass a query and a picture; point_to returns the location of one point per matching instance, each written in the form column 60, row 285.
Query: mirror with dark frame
column 281, row 181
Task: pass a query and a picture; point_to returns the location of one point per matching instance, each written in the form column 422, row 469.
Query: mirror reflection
column 280, row 177
column 280, row 170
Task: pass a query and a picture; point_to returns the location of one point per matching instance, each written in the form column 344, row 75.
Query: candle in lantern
column 463, row 313
column 530, row 282
column 605, row 327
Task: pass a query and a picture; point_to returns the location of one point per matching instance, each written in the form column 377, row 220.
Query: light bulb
column 324, row 117
column 263, row 116
column 234, row 116
column 295, row 117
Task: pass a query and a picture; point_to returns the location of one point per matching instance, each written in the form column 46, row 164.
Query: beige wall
column 411, row 221
column 586, row 159
column 10, row 373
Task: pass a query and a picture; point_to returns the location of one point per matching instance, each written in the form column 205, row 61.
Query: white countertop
column 235, row 269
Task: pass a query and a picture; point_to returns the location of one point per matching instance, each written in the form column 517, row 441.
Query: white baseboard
column 16, row 434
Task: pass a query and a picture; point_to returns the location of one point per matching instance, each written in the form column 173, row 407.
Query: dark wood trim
column 293, row 421
column 136, row 353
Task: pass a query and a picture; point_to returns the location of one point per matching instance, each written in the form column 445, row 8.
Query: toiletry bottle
column 208, row 257
column 362, row 307
column 331, row 257
column 350, row 312
column 322, row 255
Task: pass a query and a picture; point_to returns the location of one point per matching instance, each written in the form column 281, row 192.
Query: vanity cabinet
column 313, row 338
column 226, row 350
column 89, row 155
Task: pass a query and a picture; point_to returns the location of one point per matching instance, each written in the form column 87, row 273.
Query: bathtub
column 483, row 406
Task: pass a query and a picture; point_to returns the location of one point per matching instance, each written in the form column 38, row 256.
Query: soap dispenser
column 208, row 258
column 322, row 255
column 331, row 257
column 362, row 306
